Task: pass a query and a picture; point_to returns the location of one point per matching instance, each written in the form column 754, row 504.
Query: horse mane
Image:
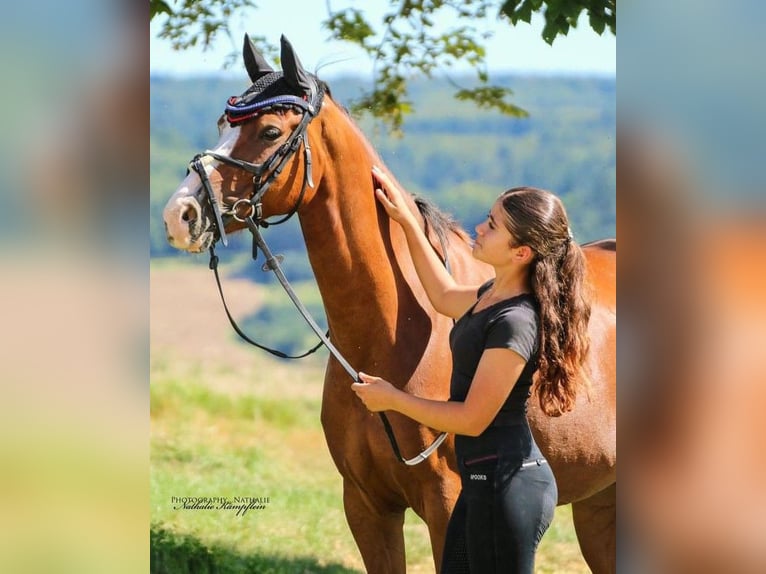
column 439, row 221
column 325, row 87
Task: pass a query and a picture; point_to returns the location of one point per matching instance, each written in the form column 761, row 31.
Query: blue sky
column 512, row 49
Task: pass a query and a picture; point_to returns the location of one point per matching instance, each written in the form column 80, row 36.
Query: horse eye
column 271, row 134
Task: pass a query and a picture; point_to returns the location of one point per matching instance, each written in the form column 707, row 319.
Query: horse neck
column 349, row 244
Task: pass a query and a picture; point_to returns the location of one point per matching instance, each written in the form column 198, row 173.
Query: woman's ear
column 523, row 253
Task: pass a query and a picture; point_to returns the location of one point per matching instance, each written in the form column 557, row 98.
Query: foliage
column 560, row 15
column 407, row 43
column 196, row 22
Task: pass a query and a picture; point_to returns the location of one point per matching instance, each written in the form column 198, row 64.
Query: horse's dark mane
column 324, row 85
column 442, row 223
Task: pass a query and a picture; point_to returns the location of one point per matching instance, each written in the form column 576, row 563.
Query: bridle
column 264, row 173
column 250, row 212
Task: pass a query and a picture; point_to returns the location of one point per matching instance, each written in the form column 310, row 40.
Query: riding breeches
column 503, row 510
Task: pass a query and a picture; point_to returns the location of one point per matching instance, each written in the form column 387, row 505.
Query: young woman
column 531, row 318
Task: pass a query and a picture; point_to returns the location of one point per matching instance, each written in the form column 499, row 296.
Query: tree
column 405, row 42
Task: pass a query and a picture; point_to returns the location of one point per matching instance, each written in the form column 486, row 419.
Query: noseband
column 249, row 211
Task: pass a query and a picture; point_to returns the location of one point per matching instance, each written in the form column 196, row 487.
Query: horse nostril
column 189, row 214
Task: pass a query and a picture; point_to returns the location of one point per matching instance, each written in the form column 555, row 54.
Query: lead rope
column 272, row 263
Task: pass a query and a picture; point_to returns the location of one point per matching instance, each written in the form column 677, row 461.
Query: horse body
column 381, row 321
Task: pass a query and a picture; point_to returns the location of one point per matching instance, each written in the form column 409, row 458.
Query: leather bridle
column 250, row 212
column 264, row 173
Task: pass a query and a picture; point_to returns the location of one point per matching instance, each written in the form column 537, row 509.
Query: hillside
column 456, row 155
column 450, row 152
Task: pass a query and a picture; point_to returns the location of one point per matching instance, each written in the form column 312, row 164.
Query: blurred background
column 74, row 390
column 74, row 295
column 692, row 283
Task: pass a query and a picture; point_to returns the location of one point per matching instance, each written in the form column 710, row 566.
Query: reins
column 277, row 353
column 253, row 207
column 272, row 264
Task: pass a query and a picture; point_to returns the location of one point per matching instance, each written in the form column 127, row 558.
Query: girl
column 531, row 318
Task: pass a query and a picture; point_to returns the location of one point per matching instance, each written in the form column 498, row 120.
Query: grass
column 212, row 436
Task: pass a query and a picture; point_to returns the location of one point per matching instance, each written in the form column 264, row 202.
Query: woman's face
column 494, row 242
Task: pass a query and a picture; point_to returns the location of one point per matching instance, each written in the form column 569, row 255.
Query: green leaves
column 601, row 15
column 560, row 15
column 158, row 7
column 195, row 22
column 492, row 97
column 410, row 45
column 349, row 25
column 407, row 43
column 388, row 101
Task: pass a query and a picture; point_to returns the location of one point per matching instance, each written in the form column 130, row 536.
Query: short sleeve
column 514, row 328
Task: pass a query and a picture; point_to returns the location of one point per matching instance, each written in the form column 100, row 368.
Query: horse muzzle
column 188, row 226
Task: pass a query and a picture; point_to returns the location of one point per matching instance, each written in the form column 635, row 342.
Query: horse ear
column 294, row 73
column 255, row 64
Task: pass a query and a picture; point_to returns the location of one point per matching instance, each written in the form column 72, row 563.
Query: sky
column 518, row 49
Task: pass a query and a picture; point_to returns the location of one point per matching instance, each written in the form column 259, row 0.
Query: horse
column 378, row 314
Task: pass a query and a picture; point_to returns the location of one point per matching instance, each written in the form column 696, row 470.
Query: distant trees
column 404, row 43
column 458, row 157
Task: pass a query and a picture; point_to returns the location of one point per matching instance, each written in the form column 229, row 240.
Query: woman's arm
column 497, row 373
column 447, row 297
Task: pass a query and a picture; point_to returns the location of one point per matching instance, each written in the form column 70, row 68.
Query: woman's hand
column 377, row 394
column 391, row 198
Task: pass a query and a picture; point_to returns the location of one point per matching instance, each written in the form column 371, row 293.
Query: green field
column 251, row 429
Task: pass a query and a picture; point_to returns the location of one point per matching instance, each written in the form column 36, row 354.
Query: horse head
column 261, row 165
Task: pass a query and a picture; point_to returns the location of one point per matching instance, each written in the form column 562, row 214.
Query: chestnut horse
column 286, row 147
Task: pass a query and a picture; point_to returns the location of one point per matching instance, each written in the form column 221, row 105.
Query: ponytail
column 557, row 275
column 558, row 282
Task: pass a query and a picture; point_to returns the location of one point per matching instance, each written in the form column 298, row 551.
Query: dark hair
column 537, row 218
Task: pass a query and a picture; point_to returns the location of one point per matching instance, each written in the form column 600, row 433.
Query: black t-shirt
column 509, row 324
